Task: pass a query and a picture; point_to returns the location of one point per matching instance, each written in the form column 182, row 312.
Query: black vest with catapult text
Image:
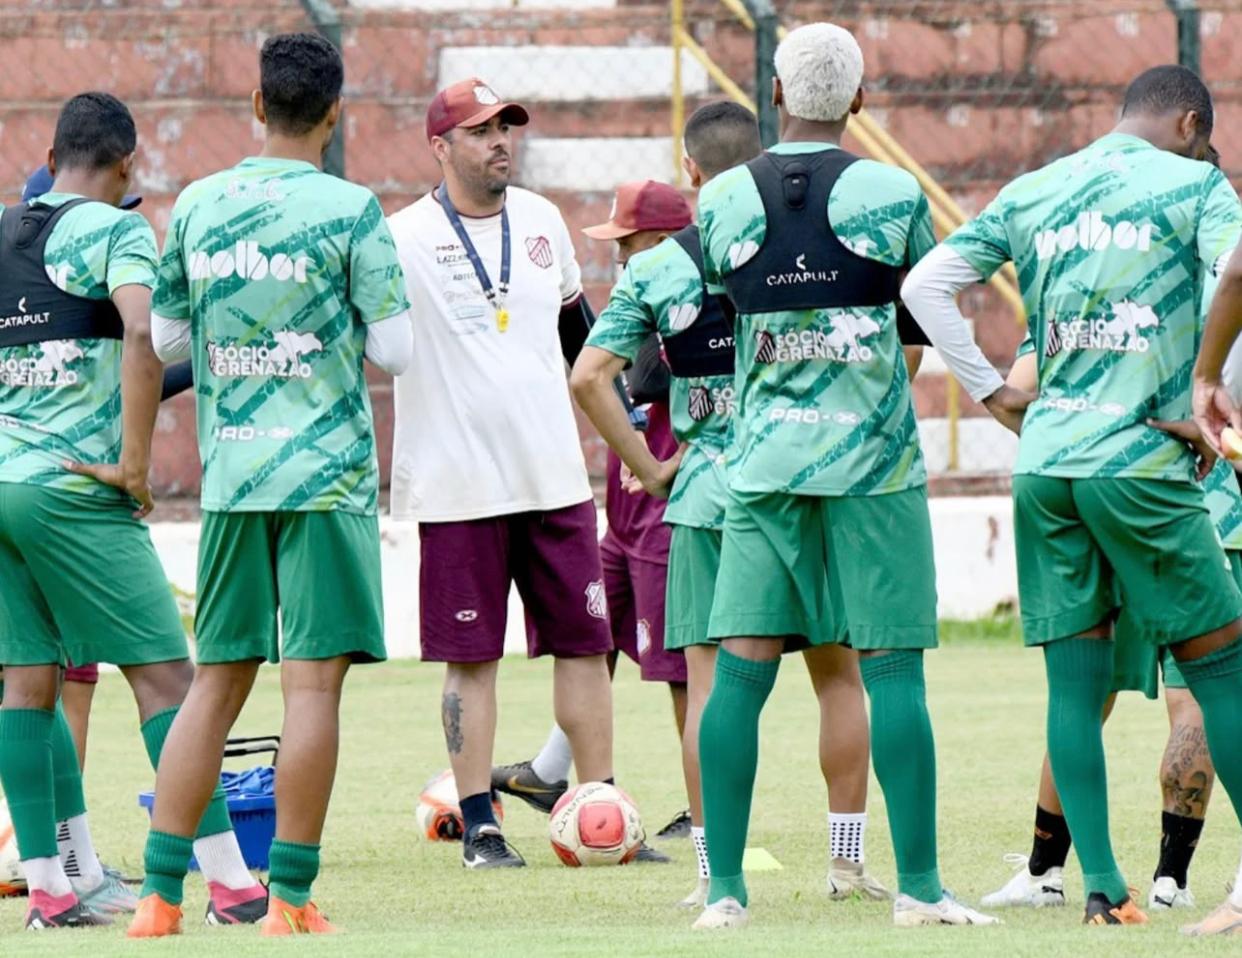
column 801, row 264
column 32, row 308
column 705, row 347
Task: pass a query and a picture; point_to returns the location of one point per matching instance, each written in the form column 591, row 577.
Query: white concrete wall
column 593, row 163
column 974, row 564
column 484, row 4
column 550, row 74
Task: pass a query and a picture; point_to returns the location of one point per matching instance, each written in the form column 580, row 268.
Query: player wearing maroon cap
column 486, row 454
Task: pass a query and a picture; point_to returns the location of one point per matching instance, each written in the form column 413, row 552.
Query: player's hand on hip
column 1188, row 431
column 133, row 481
column 1008, row 406
column 660, row 482
column 1214, row 410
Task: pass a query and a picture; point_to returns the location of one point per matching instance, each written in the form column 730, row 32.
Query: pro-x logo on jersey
column 47, row 370
column 801, row 273
column 844, row 344
column 246, row 261
column 1090, row 232
column 284, row 360
column 1124, row 332
column 702, row 402
column 22, row 318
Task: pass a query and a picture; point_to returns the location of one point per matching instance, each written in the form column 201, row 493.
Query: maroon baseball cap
column 470, row 103
column 645, row 205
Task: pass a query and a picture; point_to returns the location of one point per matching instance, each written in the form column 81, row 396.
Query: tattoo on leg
column 1187, row 775
column 450, row 715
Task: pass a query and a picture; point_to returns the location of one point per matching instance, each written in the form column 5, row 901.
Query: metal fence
column 974, row 91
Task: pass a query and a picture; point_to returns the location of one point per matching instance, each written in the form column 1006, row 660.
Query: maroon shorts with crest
column 467, row 568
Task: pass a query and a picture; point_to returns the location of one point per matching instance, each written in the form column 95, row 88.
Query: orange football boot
column 284, row 919
column 155, row 918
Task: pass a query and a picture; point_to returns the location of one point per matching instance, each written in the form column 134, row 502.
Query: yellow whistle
column 502, row 320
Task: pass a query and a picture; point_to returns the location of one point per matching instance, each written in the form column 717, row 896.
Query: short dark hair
column 94, row 131
column 1169, row 89
column 722, row 135
column 1212, row 155
column 300, row 77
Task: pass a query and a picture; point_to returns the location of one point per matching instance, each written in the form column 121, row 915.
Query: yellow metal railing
column 877, row 142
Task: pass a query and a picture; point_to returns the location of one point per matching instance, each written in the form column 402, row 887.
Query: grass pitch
column 395, row 894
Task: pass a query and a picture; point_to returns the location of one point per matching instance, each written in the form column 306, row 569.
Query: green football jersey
column 661, row 291
column 61, row 400
column 278, row 267
column 823, row 397
column 1220, row 486
column 1112, row 245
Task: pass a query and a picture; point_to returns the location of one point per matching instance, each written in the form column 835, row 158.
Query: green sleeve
column 922, row 238
column 1219, row 224
column 171, row 298
column 1026, row 346
column 132, row 253
column 626, row 321
column 984, row 241
column 376, row 280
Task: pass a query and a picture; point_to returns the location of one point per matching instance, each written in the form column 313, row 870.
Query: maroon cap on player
column 470, row 103
column 645, row 205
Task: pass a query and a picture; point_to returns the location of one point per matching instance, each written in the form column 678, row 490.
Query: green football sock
column 26, row 778
column 1216, row 682
column 154, row 731
column 729, row 755
column 294, row 868
column 167, row 859
column 1080, row 672
column 66, row 772
column 904, row 754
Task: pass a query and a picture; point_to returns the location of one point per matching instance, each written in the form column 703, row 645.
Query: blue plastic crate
column 251, row 797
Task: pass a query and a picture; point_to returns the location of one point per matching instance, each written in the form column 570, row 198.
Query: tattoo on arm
column 450, row 716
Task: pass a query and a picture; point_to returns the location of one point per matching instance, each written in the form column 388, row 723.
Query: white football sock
column 1235, row 896
column 699, row 836
column 845, row 835
column 554, row 760
column 77, row 854
column 220, row 858
column 47, row 875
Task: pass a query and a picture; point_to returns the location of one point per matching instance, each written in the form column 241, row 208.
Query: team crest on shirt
column 1125, row 331
column 842, row 344
column 48, row 370
column 285, row 359
column 540, row 251
column 702, row 402
column 597, row 600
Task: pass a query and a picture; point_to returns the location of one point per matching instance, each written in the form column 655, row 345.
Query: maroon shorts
column 635, row 589
column 87, row 674
column 467, row 568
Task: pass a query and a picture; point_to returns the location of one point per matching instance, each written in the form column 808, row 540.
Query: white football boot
column 1025, row 890
column 726, row 913
column 911, row 913
column 698, row 897
column 1165, row 895
column 847, row 879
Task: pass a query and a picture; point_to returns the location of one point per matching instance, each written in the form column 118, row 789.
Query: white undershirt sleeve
column 390, row 343
column 930, row 292
column 1231, row 373
column 170, row 338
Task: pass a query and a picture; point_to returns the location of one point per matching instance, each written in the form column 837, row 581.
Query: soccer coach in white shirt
column 487, row 457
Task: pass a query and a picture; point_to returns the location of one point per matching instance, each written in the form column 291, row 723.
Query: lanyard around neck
column 495, row 296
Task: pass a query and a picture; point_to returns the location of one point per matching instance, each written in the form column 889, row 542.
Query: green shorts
column 693, row 560
column 81, row 582
column 320, row 570
column 808, row 565
column 1086, row 545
